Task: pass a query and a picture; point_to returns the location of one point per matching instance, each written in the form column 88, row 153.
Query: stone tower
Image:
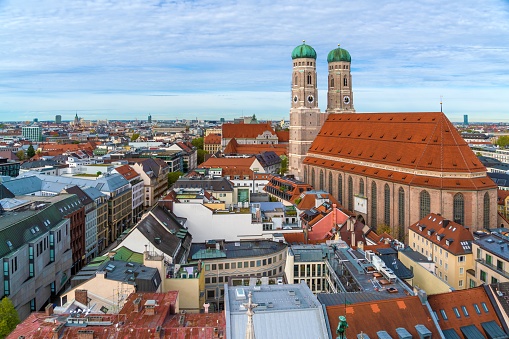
column 305, row 116
column 339, row 93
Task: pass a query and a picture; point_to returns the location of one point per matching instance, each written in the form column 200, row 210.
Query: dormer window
column 430, row 232
column 421, row 228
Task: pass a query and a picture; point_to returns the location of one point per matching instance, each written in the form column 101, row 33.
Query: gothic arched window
column 361, row 187
column 350, row 193
column 373, row 206
column 332, row 82
column 424, row 204
column 345, row 81
column 486, row 210
column 330, row 183
column 458, row 208
column 305, row 175
column 296, row 80
column 321, row 180
column 313, row 177
column 309, row 79
column 340, row 189
column 387, row 205
column 401, row 207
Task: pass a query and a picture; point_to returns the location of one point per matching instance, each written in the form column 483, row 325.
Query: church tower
column 305, row 116
column 339, row 93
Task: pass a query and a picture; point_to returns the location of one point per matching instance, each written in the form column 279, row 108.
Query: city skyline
column 210, row 59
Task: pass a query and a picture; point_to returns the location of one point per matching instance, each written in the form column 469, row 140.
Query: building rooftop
column 238, row 249
column 288, row 310
column 495, row 243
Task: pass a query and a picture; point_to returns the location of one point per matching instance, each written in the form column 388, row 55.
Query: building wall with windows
column 447, row 244
column 32, row 133
column 36, row 256
column 491, row 260
column 239, row 261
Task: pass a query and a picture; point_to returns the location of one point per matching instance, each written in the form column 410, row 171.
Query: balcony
column 493, row 268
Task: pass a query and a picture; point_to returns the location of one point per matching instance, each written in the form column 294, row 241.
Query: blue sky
column 124, row 59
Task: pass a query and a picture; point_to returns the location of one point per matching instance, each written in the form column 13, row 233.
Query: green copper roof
column 339, row 54
column 303, row 51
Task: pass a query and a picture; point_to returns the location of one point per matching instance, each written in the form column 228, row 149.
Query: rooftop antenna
column 441, row 97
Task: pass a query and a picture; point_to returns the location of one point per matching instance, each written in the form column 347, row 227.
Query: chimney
column 58, row 331
column 206, row 307
column 48, row 310
column 445, row 222
column 81, row 296
column 137, row 305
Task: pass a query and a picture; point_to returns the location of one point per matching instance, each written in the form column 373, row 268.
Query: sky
column 205, row 59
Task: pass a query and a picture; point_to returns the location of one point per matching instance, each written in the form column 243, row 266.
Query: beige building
column 447, row 244
column 212, row 143
column 154, row 173
column 491, row 261
column 423, row 270
column 240, row 261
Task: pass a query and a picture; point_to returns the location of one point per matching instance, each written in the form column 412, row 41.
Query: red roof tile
column 245, row 131
column 127, row 172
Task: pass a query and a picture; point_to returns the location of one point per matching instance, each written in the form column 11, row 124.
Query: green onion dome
column 339, row 54
column 304, row 51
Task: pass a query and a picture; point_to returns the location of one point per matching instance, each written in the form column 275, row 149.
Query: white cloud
column 58, row 54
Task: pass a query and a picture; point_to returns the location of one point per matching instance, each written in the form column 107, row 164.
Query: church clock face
column 346, row 99
column 295, row 99
column 310, row 99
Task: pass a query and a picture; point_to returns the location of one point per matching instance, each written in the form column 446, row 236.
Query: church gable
column 420, row 142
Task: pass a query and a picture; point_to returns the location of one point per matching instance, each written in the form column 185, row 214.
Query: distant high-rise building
column 32, row 133
column 58, row 119
column 465, row 119
column 149, row 119
column 36, row 120
column 76, row 119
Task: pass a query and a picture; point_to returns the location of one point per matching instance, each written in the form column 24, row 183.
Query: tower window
column 345, row 82
column 424, row 202
column 296, row 80
column 309, row 79
column 332, row 82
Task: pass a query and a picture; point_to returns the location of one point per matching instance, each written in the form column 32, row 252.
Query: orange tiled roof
column 127, row 172
column 383, row 315
column 412, row 141
column 466, row 298
column 228, row 162
column 212, row 139
column 233, row 147
column 245, row 131
column 455, row 233
column 502, row 196
column 283, row 136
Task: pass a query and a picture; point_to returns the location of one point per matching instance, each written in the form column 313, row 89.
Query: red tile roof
column 212, row 139
column 383, row 315
column 283, row 136
column 412, row 141
column 233, row 147
column 502, row 196
column 466, row 298
column 127, row 172
column 245, row 131
column 431, row 227
column 228, row 163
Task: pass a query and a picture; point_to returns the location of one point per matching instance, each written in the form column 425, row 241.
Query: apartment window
column 483, row 276
column 258, row 263
column 270, row 261
column 489, row 259
column 462, row 270
column 211, row 294
column 460, row 283
column 227, row 266
column 207, row 280
column 220, row 279
column 500, row 265
column 461, row 258
column 213, row 280
column 472, row 283
column 484, row 307
column 207, row 267
column 494, row 280
column 220, row 266
column 252, row 264
column 234, row 265
column 444, row 315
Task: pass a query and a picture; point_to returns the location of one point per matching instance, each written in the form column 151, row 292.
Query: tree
column 135, row 136
column 198, row 143
column 173, row 177
column 30, row 151
column 503, row 141
column 9, row 318
column 284, row 165
column 200, row 156
column 20, row 154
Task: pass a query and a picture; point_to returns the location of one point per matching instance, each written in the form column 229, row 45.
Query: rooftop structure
column 289, row 309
